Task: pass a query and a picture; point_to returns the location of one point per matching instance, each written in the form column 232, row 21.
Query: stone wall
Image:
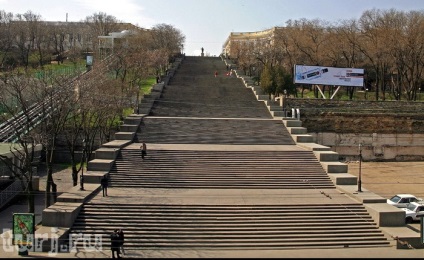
column 387, row 131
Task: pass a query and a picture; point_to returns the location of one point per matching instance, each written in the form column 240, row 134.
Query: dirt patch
column 389, row 178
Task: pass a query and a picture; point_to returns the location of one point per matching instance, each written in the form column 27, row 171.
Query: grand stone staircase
column 222, row 173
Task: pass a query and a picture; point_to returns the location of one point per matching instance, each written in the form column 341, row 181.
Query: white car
column 402, row 200
column 414, row 211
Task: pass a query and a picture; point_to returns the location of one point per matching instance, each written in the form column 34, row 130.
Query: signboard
column 89, row 60
column 318, row 75
column 23, row 229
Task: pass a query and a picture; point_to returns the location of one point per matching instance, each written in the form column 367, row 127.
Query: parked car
column 414, row 211
column 402, row 200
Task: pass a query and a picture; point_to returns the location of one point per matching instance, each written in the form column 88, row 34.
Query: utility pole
column 360, row 166
column 82, row 167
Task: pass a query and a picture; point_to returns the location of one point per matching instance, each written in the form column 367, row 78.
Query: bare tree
column 310, row 38
column 168, row 38
column 6, row 39
column 16, row 99
column 407, row 43
column 387, row 44
column 97, row 107
column 57, row 109
column 22, row 40
column 99, row 24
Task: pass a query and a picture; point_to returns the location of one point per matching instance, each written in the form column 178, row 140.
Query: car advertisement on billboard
column 318, row 75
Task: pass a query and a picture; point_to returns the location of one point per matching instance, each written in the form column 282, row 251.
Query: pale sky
column 207, row 23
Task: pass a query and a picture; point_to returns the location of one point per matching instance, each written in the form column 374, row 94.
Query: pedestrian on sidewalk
column 104, row 182
column 216, row 74
column 114, row 244
column 121, row 240
column 143, row 148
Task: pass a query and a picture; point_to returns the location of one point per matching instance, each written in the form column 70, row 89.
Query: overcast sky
column 207, row 23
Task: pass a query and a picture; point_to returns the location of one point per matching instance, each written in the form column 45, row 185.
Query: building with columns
column 235, row 39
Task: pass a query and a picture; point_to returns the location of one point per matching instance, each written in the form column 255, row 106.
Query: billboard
column 23, row 228
column 328, row 76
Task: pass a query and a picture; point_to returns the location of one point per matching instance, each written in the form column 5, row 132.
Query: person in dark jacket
column 104, row 182
column 114, row 244
column 143, row 149
column 121, row 241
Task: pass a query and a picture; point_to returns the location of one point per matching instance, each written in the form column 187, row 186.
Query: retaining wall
column 386, row 130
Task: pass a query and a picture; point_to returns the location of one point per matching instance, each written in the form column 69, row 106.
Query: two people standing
column 117, row 243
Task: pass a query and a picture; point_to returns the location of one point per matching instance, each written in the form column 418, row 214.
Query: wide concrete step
column 262, row 97
column 297, row 130
column 277, row 113
column 292, row 123
column 275, row 108
column 269, row 210
column 253, row 244
column 213, row 223
column 303, row 138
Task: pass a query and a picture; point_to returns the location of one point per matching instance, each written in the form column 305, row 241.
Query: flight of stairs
column 232, row 226
column 198, row 109
column 177, row 130
column 219, row 169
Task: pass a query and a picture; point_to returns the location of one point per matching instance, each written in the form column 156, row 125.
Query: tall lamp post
column 82, row 167
column 138, row 100
column 360, row 162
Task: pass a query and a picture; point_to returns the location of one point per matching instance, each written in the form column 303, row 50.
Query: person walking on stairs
column 143, row 148
column 104, row 182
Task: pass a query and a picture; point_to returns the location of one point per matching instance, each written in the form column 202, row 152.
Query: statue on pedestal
column 202, row 52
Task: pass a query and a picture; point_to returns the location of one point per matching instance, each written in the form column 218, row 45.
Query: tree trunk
column 54, row 191
column 30, row 197
column 50, row 182
column 74, row 175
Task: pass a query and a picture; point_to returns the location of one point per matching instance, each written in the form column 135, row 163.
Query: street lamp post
column 138, row 100
column 82, row 167
column 360, row 162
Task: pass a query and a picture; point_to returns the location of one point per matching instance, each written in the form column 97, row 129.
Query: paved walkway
column 310, row 253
